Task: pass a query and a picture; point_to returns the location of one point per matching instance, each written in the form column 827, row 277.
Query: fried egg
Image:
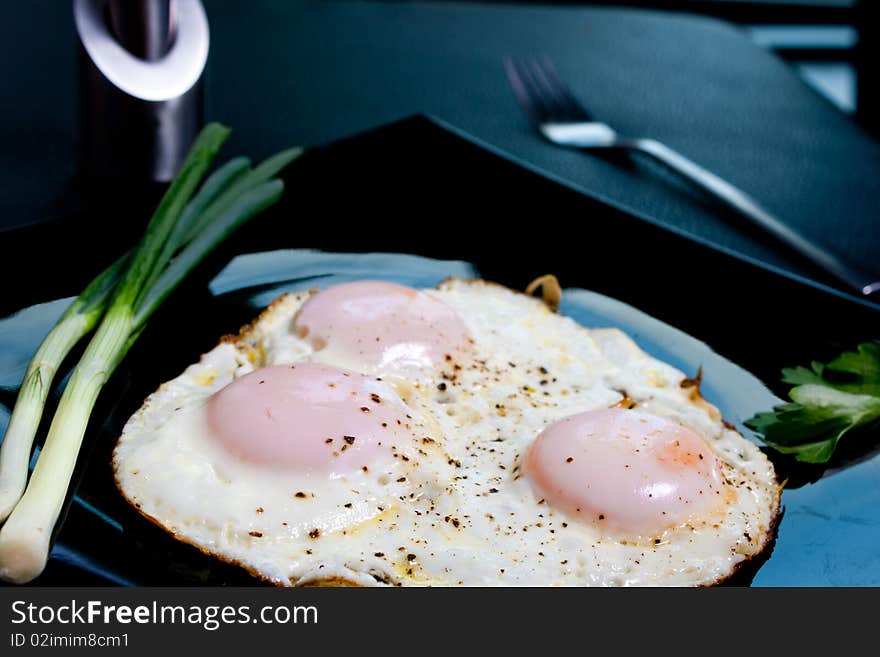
column 374, row 434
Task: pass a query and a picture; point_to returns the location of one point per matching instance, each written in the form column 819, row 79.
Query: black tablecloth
column 311, row 72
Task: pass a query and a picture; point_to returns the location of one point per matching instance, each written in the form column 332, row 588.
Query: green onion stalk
column 152, row 272
column 77, row 321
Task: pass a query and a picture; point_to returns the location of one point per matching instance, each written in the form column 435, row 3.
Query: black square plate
column 416, row 187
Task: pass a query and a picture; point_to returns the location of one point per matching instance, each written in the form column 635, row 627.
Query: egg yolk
column 378, row 326
column 306, row 418
column 626, row 470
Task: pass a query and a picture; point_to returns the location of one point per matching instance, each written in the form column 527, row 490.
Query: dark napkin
column 312, row 72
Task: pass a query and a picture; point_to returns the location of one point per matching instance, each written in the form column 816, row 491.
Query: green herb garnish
column 828, row 401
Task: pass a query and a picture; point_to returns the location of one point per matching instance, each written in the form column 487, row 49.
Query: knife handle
column 746, row 206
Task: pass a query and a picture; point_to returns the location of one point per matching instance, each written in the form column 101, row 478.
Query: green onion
column 189, row 228
column 265, row 171
column 79, row 319
column 152, row 245
column 251, row 203
column 189, row 223
column 224, row 215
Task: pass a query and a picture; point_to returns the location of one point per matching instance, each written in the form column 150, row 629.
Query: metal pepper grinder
column 140, row 66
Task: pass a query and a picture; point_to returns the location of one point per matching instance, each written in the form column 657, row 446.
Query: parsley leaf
column 828, row 401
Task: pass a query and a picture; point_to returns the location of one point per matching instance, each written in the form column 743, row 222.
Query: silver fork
column 561, row 119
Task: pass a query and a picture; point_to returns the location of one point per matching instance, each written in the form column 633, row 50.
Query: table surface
column 309, row 72
column 284, row 72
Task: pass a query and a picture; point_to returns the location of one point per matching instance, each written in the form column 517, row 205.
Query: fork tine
column 556, row 110
column 568, row 106
column 523, row 90
column 533, row 94
column 544, row 102
column 541, row 92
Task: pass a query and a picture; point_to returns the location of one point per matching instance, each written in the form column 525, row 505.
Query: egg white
column 458, row 511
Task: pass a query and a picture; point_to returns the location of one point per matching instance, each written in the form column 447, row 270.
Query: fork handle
column 751, row 210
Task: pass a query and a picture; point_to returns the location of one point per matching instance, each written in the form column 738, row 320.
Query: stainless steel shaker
column 140, row 67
